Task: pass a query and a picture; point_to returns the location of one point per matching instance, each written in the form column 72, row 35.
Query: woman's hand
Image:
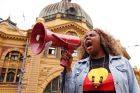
column 66, row 60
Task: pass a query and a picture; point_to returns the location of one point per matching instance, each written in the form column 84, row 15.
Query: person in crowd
column 102, row 68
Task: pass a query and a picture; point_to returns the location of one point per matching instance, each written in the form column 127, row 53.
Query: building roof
column 8, row 20
column 68, row 11
column 9, row 29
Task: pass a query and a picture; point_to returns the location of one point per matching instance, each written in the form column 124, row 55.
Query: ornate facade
column 40, row 73
column 12, row 41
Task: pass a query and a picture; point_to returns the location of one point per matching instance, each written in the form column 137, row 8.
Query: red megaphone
column 41, row 36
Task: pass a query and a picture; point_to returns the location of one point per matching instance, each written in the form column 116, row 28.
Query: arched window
column 72, row 33
column 10, row 75
column 11, row 67
column 53, row 86
column 3, row 73
column 14, row 56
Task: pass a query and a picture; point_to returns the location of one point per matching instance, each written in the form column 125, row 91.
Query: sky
column 121, row 18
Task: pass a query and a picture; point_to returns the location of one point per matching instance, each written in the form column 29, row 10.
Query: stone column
column 33, row 74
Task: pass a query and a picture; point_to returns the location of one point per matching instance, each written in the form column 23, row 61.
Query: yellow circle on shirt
column 97, row 73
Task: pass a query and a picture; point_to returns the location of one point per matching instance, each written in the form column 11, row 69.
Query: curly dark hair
column 109, row 44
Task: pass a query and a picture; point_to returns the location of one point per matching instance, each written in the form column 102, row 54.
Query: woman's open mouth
column 88, row 44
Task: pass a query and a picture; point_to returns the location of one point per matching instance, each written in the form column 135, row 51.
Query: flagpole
column 23, row 17
column 20, row 84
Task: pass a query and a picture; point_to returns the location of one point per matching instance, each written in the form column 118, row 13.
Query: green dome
column 68, row 11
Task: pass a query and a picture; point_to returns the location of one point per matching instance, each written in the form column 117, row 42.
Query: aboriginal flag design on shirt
column 99, row 79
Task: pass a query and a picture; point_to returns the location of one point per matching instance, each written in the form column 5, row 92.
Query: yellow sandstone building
column 21, row 71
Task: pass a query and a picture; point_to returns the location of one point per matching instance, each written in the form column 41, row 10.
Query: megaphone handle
column 64, row 62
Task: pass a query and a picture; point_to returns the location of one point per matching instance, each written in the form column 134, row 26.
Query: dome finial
column 67, row 0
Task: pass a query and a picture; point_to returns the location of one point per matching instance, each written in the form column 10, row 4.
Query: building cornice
column 9, row 36
column 61, row 26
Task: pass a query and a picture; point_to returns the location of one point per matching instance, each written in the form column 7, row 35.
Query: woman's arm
column 67, row 76
column 69, row 86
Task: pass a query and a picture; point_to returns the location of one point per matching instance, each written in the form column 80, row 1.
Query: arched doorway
column 53, row 86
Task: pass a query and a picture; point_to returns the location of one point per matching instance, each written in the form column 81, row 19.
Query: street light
column 133, row 46
column 133, row 50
